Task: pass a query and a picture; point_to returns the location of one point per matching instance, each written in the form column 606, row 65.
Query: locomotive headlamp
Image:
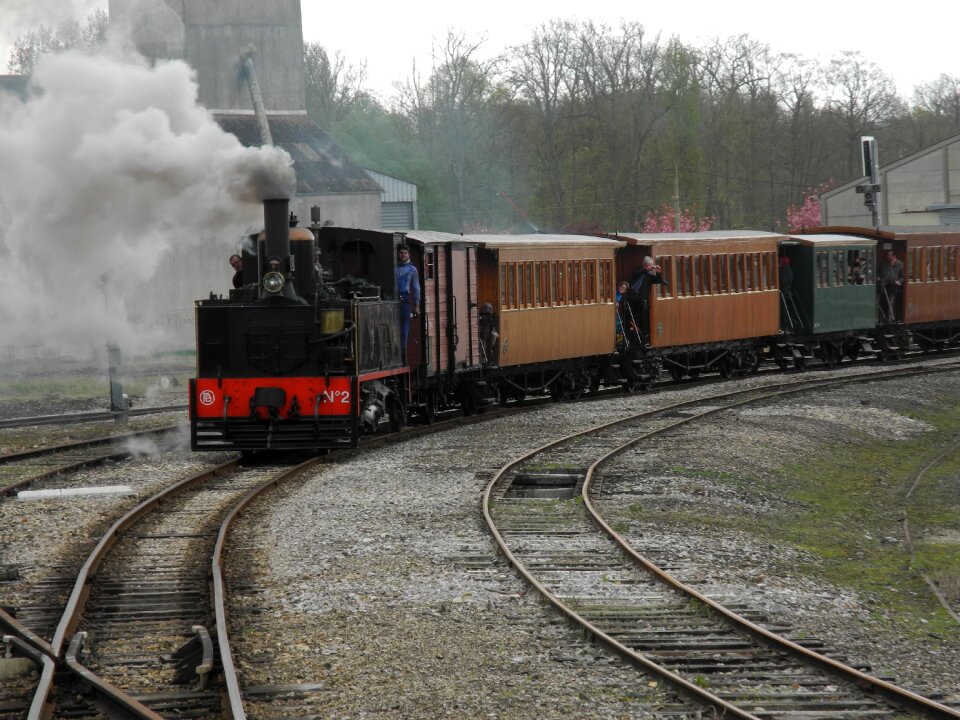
column 273, row 282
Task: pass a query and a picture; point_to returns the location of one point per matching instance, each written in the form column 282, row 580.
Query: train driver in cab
column 408, row 291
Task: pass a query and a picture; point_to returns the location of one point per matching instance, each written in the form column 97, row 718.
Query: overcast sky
column 912, row 43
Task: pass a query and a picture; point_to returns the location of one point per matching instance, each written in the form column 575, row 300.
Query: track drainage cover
column 553, row 484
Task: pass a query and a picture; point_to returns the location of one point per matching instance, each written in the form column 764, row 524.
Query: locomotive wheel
column 398, row 415
column 430, row 410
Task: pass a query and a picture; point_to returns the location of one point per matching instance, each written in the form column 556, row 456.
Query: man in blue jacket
column 408, row 290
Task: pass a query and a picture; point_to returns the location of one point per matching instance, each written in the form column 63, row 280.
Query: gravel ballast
column 375, row 579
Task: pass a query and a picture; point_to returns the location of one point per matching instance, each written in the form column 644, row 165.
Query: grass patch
column 853, row 498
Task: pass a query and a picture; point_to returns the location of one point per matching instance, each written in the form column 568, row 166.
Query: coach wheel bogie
column 725, row 367
column 780, row 357
column 676, row 373
column 800, row 363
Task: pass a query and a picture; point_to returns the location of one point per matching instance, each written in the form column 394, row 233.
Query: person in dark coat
column 891, row 285
column 644, row 278
column 236, row 262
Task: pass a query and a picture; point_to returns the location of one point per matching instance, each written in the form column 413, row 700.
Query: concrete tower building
column 216, row 37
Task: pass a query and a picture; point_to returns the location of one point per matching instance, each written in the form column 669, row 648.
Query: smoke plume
column 109, row 166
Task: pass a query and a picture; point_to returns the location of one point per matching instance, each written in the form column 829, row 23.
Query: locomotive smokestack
column 275, row 275
column 276, row 225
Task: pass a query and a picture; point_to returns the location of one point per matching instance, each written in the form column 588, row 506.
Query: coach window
column 559, row 283
column 666, row 289
column 529, row 300
column 429, row 265
column 606, row 281
column 950, row 262
column 913, row 264
column 715, row 274
column 521, row 289
column 512, row 286
column 823, row 268
column 868, row 266
column 936, row 263
column 590, row 280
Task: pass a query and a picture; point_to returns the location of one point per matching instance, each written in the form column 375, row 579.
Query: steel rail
column 121, row 704
column 77, row 418
column 901, row 696
column 70, row 619
column 234, row 694
column 81, row 444
column 71, row 615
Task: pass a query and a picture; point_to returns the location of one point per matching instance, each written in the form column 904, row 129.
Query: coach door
column 462, row 331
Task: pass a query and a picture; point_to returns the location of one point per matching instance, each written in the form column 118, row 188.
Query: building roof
column 15, row 85
column 321, row 166
column 894, row 165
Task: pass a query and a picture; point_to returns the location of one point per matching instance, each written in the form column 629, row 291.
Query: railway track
column 76, row 418
column 143, row 630
column 729, row 658
column 21, row 469
column 192, row 697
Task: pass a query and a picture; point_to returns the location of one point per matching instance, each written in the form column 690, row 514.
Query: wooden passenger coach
column 720, row 285
column 553, row 295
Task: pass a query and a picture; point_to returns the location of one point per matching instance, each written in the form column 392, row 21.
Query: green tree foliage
column 589, row 126
column 31, row 46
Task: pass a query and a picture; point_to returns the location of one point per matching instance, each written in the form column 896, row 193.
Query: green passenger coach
column 834, row 284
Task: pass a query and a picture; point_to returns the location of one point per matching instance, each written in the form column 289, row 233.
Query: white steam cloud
column 107, row 167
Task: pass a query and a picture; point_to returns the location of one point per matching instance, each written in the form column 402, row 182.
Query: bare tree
column 861, row 99
column 31, row 46
column 545, row 74
column 334, row 87
column 449, row 110
column 941, row 99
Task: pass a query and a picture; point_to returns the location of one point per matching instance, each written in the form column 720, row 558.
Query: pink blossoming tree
column 663, row 220
column 807, row 213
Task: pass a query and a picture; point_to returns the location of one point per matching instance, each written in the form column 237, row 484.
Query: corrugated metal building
column 398, row 202
column 920, row 189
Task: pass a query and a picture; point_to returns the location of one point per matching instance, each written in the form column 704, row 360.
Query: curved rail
column 899, row 696
column 234, row 695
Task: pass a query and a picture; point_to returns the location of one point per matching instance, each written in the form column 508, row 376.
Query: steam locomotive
column 308, row 353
